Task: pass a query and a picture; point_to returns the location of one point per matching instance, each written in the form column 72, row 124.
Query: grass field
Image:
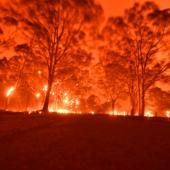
column 83, row 142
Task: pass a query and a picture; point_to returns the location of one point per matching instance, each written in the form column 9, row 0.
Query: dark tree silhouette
column 110, row 76
column 142, row 38
column 60, row 44
column 55, row 27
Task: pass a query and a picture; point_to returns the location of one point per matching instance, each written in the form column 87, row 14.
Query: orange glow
column 149, row 114
column 117, row 113
column 66, row 101
column 168, row 113
column 60, row 110
column 37, row 95
column 53, row 94
column 10, row 91
column 39, row 72
column 76, row 85
column 45, row 88
column 63, row 111
column 77, row 102
column 30, row 112
column 65, row 94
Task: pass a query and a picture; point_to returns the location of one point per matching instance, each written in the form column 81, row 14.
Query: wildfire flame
column 45, row 88
column 77, row 102
column 10, row 91
column 149, row 114
column 117, row 113
column 168, row 113
column 37, row 95
column 67, row 101
column 60, row 110
column 39, row 72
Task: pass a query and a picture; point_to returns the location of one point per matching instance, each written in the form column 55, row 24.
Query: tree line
column 70, row 45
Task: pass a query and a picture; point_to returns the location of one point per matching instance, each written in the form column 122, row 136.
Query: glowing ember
column 51, row 110
column 116, row 113
column 168, row 113
column 39, row 72
column 45, row 88
column 40, row 112
column 66, row 100
column 37, row 95
column 60, row 110
column 111, row 113
column 63, row 111
column 136, row 114
column 77, row 102
column 10, row 91
column 149, row 114
column 124, row 114
column 92, row 112
column 29, row 112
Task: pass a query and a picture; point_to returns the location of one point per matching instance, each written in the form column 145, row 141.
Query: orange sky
column 116, row 7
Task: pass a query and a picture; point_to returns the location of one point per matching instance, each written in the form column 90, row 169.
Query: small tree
column 109, row 71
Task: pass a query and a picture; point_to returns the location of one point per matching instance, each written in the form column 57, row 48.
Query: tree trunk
column 113, row 101
column 46, row 102
column 133, row 108
column 132, row 99
column 143, row 106
column 139, row 99
column 143, row 101
column 47, row 97
column 132, row 111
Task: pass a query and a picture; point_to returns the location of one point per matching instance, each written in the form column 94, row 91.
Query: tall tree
column 56, row 29
column 143, row 37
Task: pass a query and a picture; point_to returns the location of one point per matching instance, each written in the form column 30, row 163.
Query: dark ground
column 85, row 142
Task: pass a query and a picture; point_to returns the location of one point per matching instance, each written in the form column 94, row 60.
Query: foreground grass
column 32, row 142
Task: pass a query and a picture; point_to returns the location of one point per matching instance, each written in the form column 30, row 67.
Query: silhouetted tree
column 142, row 38
column 109, row 71
column 55, row 30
